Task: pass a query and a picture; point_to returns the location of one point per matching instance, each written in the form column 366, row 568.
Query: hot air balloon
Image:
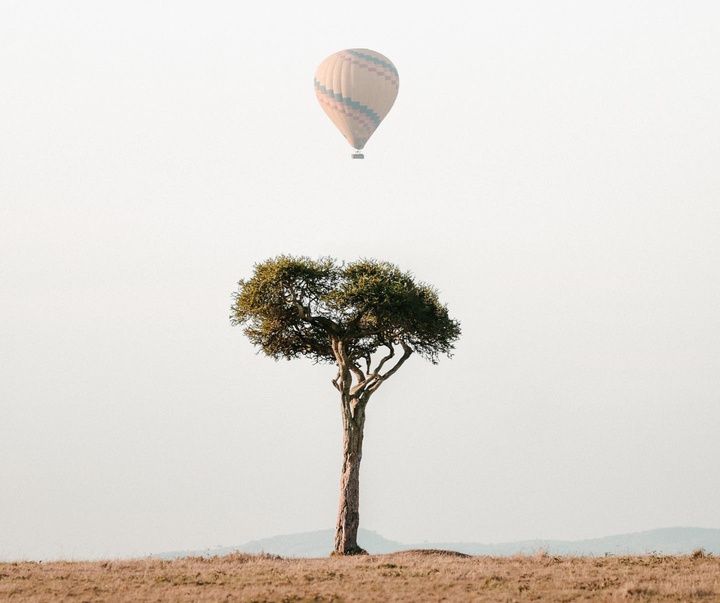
column 357, row 89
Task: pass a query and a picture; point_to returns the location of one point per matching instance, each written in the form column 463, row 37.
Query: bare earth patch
column 409, row 576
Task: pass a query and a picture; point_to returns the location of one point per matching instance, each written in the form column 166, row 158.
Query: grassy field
column 408, row 576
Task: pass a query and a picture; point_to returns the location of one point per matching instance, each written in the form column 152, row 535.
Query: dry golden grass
column 408, row 576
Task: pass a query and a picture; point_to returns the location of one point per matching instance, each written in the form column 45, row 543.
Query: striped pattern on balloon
column 357, row 88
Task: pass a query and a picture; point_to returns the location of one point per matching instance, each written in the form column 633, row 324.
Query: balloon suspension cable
column 357, row 155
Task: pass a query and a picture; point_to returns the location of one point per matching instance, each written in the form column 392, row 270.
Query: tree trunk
column 348, row 519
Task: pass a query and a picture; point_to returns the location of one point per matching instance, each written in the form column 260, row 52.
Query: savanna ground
column 408, row 576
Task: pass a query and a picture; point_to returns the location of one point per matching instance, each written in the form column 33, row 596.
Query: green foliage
column 296, row 306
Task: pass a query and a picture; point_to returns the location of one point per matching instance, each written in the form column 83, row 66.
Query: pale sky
column 551, row 167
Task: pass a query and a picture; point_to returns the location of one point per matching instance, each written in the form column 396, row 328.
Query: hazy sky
column 551, row 167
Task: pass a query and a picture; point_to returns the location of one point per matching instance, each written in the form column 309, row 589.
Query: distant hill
column 663, row 541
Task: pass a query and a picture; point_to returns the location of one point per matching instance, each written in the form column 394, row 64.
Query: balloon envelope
column 356, row 88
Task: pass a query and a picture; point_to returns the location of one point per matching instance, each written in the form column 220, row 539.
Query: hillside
column 663, row 541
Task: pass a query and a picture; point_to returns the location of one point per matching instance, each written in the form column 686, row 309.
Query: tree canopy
column 297, row 306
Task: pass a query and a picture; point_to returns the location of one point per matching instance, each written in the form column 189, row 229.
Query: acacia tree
column 366, row 317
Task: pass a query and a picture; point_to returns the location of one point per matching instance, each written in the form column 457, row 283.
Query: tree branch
column 357, row 371
column 385, row 359
column 407, row 351
column 343, row 381
column 335, row 381
column 305, row 311
column 329, row 325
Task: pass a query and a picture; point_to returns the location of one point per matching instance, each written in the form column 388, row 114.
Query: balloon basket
column 357, row 155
